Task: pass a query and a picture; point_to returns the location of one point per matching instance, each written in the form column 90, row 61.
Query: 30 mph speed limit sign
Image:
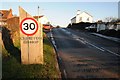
column 29, row 26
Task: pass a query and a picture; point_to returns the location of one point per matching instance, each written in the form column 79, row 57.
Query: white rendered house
column 42, row 19
column 82, row 17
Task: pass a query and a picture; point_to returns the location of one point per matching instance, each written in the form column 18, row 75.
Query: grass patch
column 12, row 69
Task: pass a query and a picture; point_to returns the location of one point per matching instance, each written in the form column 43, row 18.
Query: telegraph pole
column 38, row 12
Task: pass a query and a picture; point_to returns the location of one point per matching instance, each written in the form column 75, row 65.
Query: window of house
column 87, row 19
column 80, row 19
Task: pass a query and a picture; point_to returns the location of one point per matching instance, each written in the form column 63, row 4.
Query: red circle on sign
column 25, row 32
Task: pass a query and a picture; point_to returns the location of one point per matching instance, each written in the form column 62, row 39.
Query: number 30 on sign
column 29, row 26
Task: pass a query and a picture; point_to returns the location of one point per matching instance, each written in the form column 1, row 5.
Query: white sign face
column 29, row 26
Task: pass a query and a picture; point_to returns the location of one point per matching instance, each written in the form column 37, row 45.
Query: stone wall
column 13, row 26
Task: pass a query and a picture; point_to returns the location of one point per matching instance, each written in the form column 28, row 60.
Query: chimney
column 10, row 10
column 78, row 12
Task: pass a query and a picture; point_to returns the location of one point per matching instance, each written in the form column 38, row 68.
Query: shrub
column 110, row 32
column 118, row 34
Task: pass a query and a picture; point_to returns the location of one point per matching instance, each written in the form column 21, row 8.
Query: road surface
column 83, row 55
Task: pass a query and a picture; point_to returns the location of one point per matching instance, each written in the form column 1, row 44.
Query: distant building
column 101, row 26
column 118, row 25
column 44, row 21
column 4, row 15
column 82, row 17
column 107, row 26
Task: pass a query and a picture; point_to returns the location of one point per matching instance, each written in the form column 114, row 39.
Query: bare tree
column 110, row 19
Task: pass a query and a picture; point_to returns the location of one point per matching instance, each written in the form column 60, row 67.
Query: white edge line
column 65, row 74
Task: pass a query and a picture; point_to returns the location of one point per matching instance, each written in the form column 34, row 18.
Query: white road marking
column 55, row 46
column 96, row 47
column 111, row 52
column 84, row 42
column 51, row 35
column 53, row 42
column 52, row 38
column 65, row 74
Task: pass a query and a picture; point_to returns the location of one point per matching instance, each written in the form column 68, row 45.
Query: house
column 111, row 25
column 118, row 25
column 4, row 15
column 44, row 21
column 108, row 26
column 37, row 17
column 82, row 17
column 101, row 26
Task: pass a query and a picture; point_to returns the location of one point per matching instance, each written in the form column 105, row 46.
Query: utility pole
column 38, row 12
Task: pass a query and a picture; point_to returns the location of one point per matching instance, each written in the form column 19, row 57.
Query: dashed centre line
column 82, row 40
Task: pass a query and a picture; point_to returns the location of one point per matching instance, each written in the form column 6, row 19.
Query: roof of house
column 38, row 16
column 73, row 17
column 5, row 14
column 81, row 13
column 87, row 13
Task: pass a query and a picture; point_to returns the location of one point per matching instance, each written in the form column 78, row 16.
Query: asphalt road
column 83, row 55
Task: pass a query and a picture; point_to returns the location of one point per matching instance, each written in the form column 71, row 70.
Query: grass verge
column 12, row 69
